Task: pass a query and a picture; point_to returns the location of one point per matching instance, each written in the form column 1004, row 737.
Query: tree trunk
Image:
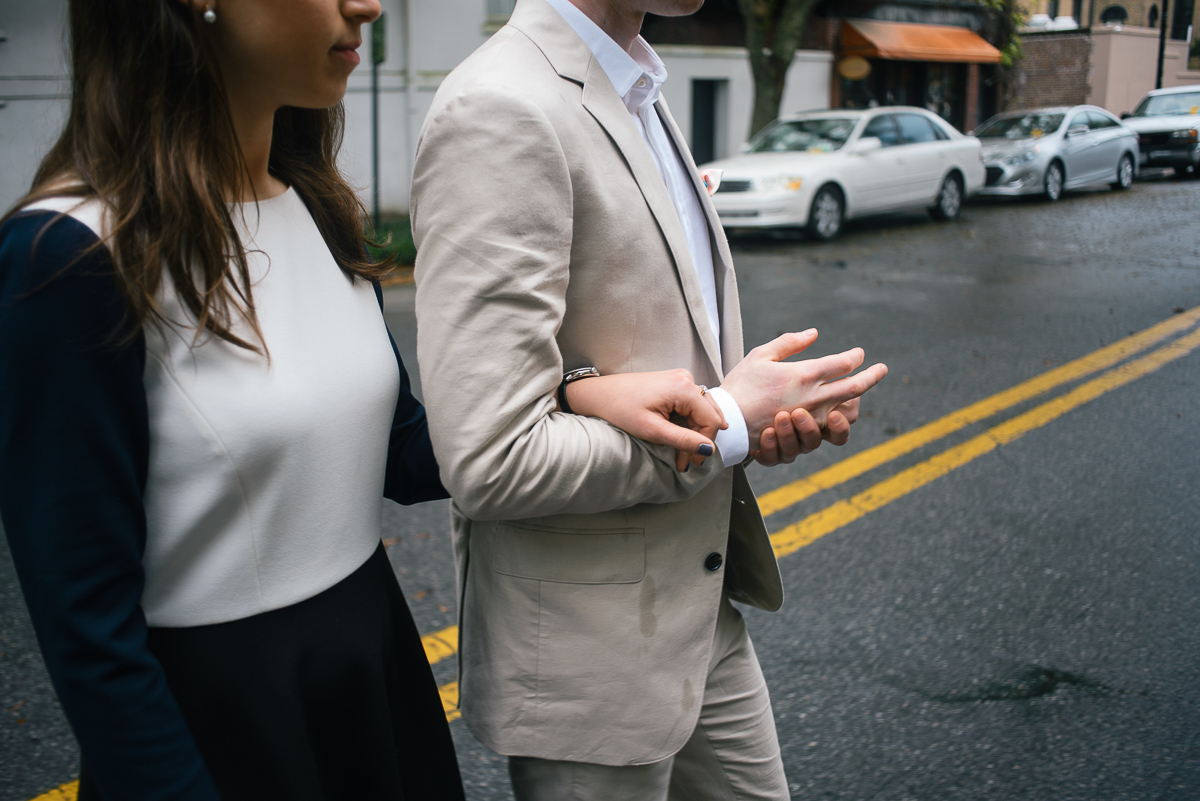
column 773, row 30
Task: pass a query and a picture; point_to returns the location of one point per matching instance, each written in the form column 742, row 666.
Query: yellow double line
column 444, row 644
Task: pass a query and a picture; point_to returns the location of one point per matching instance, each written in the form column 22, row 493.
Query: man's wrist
column 733, row 442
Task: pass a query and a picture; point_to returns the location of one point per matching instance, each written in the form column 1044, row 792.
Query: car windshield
column 1026, row 126
column 820, row 135
column 1169, row 105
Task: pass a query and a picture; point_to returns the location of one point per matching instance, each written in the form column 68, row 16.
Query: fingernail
column 705, row 449
column 809, row 332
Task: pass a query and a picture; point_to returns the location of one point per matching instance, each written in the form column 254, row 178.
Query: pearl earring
column 210, row 16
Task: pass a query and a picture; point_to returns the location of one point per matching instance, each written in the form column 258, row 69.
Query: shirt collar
column 637, row 76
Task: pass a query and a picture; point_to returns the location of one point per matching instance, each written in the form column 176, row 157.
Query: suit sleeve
column 74, row 449
column 493, row 220
column 412, row 469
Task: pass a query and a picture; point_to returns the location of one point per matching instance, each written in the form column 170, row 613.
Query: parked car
column 1168, row 125
column 819, row 169
column 1048, row 150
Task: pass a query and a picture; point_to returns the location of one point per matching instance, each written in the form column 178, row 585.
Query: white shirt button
column 641, row 83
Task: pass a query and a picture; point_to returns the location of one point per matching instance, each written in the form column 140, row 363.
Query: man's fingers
column 768, row 448
column 837, row 428
column 786, row 437
column 849, row 410
column 807, row 430
column 785, row 345
column 836, row 365
column 847, row 389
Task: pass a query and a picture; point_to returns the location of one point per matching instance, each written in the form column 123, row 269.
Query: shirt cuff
column 734, row 442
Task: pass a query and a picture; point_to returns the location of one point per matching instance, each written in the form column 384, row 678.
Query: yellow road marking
column 449, row 694
column 794, row 537
column 796, row 491
column 441, row 644
column 65, row 792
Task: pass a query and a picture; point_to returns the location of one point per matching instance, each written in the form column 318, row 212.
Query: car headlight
column 1187, row 133
column 1024, row 157
column 779, row 183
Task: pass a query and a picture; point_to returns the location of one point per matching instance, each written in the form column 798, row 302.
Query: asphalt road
column 1021, row 627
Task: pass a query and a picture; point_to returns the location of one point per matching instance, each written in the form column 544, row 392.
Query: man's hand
column 641, row 404
column 767, row 389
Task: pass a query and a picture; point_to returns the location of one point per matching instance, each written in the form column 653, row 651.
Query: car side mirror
column 1077, row 129
column 867, row 144
column 1125, row 115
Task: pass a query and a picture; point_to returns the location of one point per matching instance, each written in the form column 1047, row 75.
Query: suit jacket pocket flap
column 585, row 556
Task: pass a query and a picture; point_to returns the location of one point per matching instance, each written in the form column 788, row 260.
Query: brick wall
column 1056, row 70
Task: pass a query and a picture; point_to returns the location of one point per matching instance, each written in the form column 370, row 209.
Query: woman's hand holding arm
column 641, row 404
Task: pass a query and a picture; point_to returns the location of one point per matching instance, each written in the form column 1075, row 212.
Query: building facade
column 936, row 54
column 1066, row 14
column 710, row 89
column 1105, row 54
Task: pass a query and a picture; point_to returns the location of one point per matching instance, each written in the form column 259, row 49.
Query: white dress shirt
column 638, row 77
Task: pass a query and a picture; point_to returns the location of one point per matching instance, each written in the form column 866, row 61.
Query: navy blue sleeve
column 74, row 445
column 412, row 469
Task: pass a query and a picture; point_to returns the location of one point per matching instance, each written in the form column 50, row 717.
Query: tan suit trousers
column 732, row 755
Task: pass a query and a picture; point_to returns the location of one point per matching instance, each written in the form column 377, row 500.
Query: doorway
column 709, row 102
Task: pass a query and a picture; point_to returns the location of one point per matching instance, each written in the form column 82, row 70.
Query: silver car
column 1049, row 150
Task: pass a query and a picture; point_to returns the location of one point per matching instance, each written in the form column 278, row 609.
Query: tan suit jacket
column 547, row 241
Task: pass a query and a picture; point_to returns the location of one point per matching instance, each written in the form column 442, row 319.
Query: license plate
column 1160, row 154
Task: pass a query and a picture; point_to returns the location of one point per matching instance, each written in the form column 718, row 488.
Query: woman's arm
column 412, row 469
column 74, row 444
column 642, row 404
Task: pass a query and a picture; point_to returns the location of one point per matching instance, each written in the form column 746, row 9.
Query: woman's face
column 277, row 53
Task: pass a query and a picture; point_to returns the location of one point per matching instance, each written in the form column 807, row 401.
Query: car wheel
column 1053, row 182
column 1124, row 173
column 827, row 214
column 949, row 199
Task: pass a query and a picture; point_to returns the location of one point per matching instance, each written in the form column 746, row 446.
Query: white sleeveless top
column 265, row 482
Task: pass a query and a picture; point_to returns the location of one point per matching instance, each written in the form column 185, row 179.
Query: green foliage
column 1011, row 18
column 394, row 236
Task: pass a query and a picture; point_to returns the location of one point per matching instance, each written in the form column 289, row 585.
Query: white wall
column 33, row 89
column 807, row 87
column 1125, row 65
column 445, row 33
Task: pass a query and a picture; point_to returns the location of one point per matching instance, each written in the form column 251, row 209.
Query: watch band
column 571, row 377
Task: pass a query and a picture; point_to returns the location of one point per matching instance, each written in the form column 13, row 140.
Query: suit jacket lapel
column 728, row 304
column 573, row 61
column 606, row 107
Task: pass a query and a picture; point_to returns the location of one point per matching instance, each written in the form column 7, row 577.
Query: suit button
column 713, row 562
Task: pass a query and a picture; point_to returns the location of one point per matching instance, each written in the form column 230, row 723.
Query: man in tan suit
column 561, row 224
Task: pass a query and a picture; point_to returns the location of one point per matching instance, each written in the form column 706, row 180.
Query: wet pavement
column 1019, row 628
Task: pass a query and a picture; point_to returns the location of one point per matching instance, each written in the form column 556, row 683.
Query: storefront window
column 939, row 87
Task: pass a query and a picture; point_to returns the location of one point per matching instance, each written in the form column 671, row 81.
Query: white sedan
column 819, row 169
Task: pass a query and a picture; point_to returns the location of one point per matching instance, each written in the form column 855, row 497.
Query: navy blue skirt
column 331, row 698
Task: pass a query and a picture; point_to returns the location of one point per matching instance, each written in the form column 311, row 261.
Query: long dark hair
column 150, row 135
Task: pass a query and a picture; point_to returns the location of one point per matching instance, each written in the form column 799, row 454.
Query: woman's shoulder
column 52, row 235
column 90, row 212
